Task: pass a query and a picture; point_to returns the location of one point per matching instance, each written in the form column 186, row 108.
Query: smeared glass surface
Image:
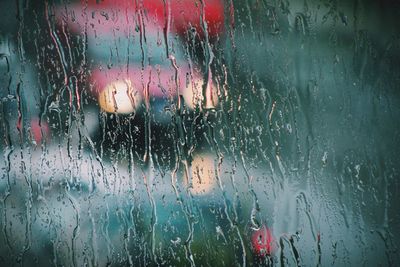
column 201, row 133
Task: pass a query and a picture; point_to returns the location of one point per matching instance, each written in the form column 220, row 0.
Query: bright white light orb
column 193, row 94
column 120, row 97
column 202, row 180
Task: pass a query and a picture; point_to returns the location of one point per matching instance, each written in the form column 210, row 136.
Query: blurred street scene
column 199, row 133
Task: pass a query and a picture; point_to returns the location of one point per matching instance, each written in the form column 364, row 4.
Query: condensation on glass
column 199, row 133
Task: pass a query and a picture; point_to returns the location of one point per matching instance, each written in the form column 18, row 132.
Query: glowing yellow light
column 119, row 97
column 202, row 179
column 193, row 94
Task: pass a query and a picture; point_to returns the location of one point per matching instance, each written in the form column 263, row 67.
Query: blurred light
column 203, row 175
column 119, row 97
column 193, row 94
column 262, row 241
column 39, row 131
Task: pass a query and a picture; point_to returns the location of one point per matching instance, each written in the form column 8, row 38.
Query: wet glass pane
column 199, row 133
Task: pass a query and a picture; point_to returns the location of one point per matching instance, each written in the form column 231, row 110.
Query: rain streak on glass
column 199, row 133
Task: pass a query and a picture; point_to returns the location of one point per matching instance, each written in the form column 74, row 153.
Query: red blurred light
column 180, row 13
column 262, row 241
